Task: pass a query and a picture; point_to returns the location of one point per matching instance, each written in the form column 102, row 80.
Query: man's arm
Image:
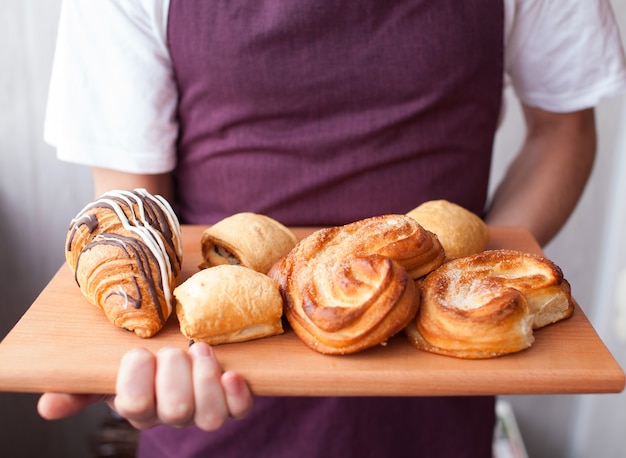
column 106, row 180
column 545, row 181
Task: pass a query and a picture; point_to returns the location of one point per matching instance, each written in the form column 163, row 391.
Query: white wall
column 39, row 195
column 600, row 419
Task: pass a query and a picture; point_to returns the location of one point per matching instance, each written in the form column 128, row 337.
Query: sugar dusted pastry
column 248, row 239
column 351, row 287
column 488, row 304
column 227, row 303
column 460, row 231
column 125, row 251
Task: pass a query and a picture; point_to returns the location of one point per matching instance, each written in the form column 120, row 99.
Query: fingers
column 135, row 396
column 210, row 402
column 238, row 396
column 179, row 388
column 135, row 399
column 174, row 389
column 54, row 406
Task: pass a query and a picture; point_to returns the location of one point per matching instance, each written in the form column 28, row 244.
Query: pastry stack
column 342, row 289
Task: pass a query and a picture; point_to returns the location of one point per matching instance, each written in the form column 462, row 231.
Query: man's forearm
column 106, row 180
column 543, row 184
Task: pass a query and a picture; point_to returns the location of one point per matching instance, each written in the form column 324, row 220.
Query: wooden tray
column 65, row 344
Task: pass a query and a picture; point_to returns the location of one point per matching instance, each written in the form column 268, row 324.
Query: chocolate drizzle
column 137, row 252
column 90, row 220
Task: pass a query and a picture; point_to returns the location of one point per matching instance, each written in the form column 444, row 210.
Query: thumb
column 54, row 406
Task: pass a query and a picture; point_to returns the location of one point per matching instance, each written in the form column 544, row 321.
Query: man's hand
column 174, row 387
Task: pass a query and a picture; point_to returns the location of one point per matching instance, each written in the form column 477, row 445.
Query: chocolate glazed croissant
column 125, row 251
column 351, row 287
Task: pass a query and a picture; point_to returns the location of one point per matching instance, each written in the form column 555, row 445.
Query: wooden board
column 65, row 344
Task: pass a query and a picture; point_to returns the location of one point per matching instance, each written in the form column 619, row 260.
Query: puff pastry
column 351, row 287
column 248, row 239
column 460, row 231
column 488, row 304
column 227, row 303
column 125, row 251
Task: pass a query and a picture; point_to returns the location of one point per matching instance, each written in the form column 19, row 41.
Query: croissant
column 227, row 303
column 125, row 251
column 460, row 232
column 488, row 304
column 351, row 287
column 248, row 239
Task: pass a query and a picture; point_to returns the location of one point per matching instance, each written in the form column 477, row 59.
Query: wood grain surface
column 65, row 344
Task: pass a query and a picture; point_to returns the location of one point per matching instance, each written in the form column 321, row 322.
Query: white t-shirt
column 560, row 55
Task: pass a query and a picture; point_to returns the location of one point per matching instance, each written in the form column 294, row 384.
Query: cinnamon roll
column 488, row 304
column 351, row 287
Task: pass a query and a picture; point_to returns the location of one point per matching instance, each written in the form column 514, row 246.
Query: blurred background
column 39, row 195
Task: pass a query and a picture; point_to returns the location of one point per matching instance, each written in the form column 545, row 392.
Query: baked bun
column 125, row 251
column 488, row 304
column 351, row 287
column 227, row 303
column 460, row 231
column 247, row 239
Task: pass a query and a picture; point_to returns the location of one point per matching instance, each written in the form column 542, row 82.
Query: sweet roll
column 348, row 288
column 460, row 232
column 227, row 303
column 248, row 239
column 486, row 305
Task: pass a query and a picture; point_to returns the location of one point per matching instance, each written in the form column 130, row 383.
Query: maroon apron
column 325, row 112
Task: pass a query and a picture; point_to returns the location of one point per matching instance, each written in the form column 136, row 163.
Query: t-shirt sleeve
column 112, row 96
column 564, row 55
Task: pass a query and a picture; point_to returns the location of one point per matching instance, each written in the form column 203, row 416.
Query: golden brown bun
column 227, row 303
column 125, row 251
column 247, row 239
column 487, row 304
column 460, row 231
column 348, row 288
